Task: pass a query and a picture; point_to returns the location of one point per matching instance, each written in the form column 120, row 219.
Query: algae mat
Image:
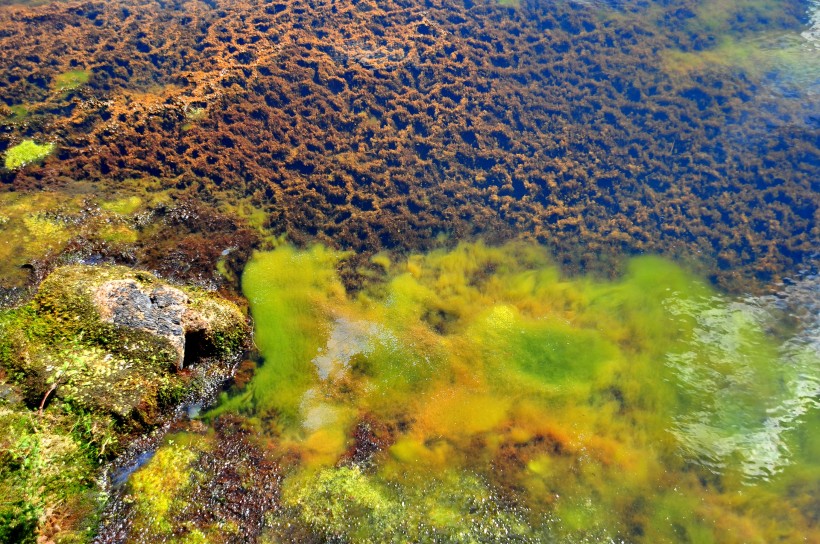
column 476, row 395
column 687, row 128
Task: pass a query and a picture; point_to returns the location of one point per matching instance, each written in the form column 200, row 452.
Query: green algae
column 70, row 80
column 38, row 226
column 293, row 286
column 526, row 404
column 754, row 37
column 157, row 490
column 791, row 58
column 346, row 504
column 193, row 116
column 25, row 153
column 512, row 4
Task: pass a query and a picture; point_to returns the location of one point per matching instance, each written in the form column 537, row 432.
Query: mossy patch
column 83, row 386
column 47, row 472
column 349, row 505
column 70, row 80
column 157, row 489
column 26, row 152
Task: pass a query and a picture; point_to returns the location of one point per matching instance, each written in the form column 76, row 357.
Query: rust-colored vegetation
column 369, row 124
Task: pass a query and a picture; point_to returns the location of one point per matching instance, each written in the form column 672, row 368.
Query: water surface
column 629, row 355
column 477, row 395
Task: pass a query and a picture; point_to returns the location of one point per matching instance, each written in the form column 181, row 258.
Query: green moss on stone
column 157, row 490
column 97, row 381
column 348, row 505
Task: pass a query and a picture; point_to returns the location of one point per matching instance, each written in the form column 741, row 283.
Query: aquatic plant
column 156, row 488
column 73, row 79
column 477, row 177
column 26, row 152
column 345, row 503
column 582, row 395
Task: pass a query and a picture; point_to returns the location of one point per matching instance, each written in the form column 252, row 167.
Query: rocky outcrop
column 111, row 339
column 158, row 309
column 98, row 357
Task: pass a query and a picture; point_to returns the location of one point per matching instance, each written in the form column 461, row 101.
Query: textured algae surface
column 479, row 395
column 613, row 127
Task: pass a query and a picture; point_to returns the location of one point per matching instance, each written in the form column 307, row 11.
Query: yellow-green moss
column 26, row 152
column 157, row 488
column 346, row 504
column 123, row 206
column 47, row 468
column 37, row 225
column 71, row 80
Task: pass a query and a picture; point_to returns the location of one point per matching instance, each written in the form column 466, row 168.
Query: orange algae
column 613, row 129
column 566, row 404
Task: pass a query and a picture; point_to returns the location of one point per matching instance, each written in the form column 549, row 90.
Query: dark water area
column 598, row 129
column 537, row 271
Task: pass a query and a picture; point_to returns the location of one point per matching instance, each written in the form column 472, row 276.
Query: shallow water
column 478, row 395
column 582, row 377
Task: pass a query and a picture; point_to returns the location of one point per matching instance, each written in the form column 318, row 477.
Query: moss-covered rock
column 95, row 358
column 111, row 340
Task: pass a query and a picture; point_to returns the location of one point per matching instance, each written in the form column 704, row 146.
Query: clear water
column 476, row 395
column 418, row 385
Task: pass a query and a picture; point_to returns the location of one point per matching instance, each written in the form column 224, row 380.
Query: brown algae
column 478, row 395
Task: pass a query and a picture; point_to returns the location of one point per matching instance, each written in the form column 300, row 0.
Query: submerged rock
column 99, row 356
column 158, row 310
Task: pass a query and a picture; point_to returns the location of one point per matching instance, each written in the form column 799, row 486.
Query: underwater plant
column 26, row 152
column 68, row 81
column 502, row 400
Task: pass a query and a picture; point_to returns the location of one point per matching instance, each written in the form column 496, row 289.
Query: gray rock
column 158, row 309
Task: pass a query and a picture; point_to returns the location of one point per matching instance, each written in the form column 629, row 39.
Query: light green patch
column 759, row 56
column 158, row 488
column 256, row 217
column 20, row 111
column 25, row 153
column 287, row 289
column 196, row 114
column 123, row 206
column 73, row 79
column 382, row 260
column 344, row 503
column 193, row 115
